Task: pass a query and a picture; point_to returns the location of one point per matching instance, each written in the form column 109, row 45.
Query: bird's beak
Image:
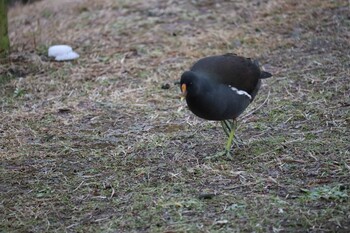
column 183, row 91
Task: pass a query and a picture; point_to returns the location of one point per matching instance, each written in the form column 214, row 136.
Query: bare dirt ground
column 96, row 145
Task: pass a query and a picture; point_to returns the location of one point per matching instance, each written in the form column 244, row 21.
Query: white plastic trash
column 67, row 56
column 62, row 53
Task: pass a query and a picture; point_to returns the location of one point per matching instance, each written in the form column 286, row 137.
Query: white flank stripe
column 240, row 92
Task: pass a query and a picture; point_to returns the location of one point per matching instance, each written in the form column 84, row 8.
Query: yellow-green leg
column 230, row 139
column 229, row 129
column 226, row 126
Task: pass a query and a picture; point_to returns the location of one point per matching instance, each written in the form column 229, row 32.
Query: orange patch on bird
column 183, row 88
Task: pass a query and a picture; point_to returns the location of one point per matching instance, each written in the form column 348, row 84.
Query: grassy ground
column 96, row 145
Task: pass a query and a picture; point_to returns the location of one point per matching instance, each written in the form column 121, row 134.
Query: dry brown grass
column 96, row 145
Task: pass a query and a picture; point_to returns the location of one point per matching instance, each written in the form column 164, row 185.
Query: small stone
column 206, row 195
column 165, row 86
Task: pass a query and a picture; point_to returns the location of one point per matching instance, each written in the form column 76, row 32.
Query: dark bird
column 220, row 88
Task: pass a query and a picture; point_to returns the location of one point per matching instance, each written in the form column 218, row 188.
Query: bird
column 220, row 88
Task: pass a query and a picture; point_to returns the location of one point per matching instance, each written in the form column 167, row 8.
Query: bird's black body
column 221, row 87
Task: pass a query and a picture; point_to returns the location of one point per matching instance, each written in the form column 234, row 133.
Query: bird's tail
column 265, row 74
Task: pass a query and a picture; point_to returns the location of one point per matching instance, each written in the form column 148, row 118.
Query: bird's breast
column 222, row 103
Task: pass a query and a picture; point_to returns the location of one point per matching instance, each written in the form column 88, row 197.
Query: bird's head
column 189, row 84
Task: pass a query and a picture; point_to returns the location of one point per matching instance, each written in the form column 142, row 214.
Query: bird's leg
column 226, row 127
column 229, row 129
column 231, row 137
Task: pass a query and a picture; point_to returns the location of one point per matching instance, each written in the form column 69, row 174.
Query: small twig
column 73, row 225
column 78, row 186
column 101, row 219
column 312, row 156
column 113, row 192
column 347, row 166
column 288, row 120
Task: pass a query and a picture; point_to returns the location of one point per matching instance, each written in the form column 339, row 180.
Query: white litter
column 62, row 53
column 67, row 56
column 56, row 50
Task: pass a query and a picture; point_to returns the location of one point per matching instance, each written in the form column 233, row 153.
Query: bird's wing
column 230, row 69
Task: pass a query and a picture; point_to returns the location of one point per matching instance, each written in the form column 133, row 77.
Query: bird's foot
column 224, row 154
